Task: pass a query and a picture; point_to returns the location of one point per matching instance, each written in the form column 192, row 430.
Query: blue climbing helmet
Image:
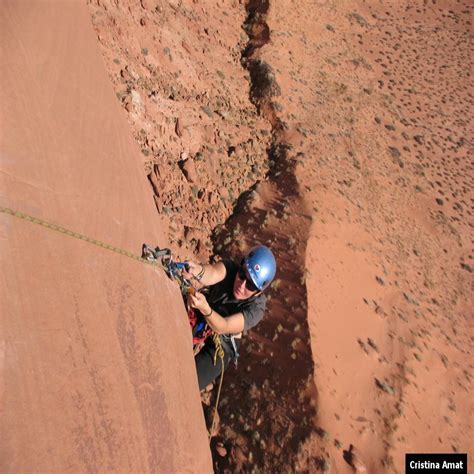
column 260, row 265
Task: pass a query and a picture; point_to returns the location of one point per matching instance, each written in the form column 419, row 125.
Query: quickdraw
column 173, row 269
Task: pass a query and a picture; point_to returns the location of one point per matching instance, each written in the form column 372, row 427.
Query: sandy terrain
column 393, row 236
column 338, row 133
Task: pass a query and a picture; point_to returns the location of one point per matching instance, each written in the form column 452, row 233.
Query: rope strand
column 219, row 353
column 62, row 230
column 77, row 235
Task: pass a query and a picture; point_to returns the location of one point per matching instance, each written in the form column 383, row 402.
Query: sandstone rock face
column 95, row 375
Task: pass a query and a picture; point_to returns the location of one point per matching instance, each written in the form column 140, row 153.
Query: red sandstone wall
column 95, row 374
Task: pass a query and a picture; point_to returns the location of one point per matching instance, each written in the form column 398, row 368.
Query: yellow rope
column 76, row 235
column 219, row 349
column 218, row 353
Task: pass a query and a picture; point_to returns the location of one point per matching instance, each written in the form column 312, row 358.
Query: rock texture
column 96, row 367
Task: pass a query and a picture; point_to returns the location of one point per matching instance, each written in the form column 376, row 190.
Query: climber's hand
column 192, row 269
column 198, row 301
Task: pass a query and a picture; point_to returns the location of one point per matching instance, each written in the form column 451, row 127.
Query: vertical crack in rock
column 269, row 403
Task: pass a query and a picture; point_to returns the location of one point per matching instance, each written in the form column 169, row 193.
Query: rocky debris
column 221, row 449
column 188, row 168
column 395, row 154
column 238, row 457
column 135, row 103
column 372, row 344
column 178, row 129
column 206, row 397
column 128, row 75
column 354, row 459
column 207, row 96
column 380, row 280
column 386, row 387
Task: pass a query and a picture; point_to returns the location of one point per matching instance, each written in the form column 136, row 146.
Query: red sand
column 87, row 380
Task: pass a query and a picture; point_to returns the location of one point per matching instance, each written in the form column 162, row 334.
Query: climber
column 232, row 301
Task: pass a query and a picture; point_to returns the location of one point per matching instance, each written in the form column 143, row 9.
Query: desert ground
column 338, row 133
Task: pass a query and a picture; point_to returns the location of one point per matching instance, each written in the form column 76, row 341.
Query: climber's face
column 243, row 285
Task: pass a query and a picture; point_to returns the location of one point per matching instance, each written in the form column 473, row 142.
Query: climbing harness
column 200, row 329
column 152, row 256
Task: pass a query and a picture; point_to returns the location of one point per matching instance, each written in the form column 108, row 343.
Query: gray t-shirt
column 221, row 299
